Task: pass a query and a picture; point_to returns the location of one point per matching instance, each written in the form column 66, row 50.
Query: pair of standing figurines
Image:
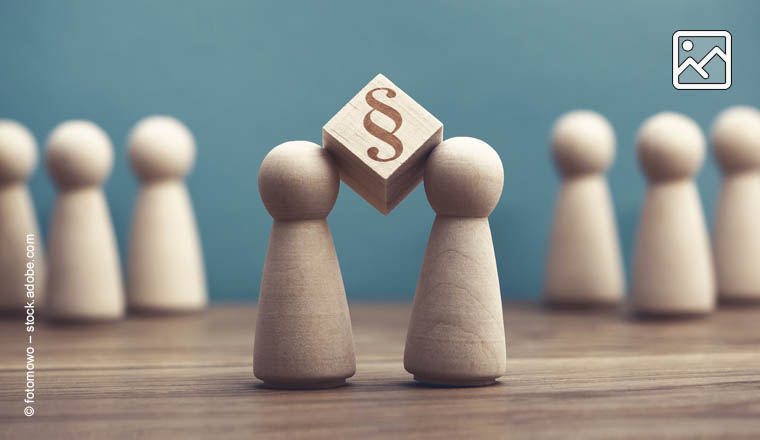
column 303, row 331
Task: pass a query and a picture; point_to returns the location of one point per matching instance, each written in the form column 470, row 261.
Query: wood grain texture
column 569, row 375
column 303, row 333
column 456, row 331
column 380, row 140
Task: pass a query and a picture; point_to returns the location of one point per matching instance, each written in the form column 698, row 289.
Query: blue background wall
column 248, row 75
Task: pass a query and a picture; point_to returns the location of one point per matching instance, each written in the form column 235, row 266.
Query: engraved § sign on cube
column 380, row 141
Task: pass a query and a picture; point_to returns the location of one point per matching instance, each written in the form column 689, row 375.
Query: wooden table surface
column 571, row 375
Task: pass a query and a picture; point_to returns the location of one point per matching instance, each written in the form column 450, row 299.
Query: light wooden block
column 380, row 141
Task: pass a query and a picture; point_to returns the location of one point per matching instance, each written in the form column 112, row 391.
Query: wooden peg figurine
column 736, row 232
column 18, row 223
column 672, row 264
column 303, row 330
column 165, row 271
column 456, row 331
column 584, row 266
column 85, row 281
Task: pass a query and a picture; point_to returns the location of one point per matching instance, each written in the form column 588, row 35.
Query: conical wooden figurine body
column 672, row 264
column 584, row 266
column 303, row 329
column 19, row 230
column 736, row 232
column 84, row 281
column 165, row 263
column 456, row 331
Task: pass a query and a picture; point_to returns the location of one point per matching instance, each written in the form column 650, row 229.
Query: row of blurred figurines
column 675, row 272
column 78, row 277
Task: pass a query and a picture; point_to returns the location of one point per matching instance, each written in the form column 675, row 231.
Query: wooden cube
column 380, row 141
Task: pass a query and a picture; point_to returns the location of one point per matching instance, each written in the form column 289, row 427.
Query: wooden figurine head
column 79, row 153
column 18, row 151
column 583, row 142
column 670, row 146
column 298, row 180
column 161, row 147
column 463, row 178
